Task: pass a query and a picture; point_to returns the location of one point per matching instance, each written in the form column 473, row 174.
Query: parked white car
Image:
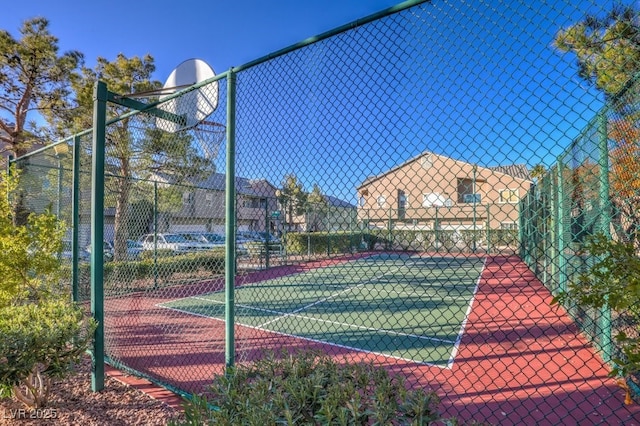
column 107, row 250
column 176, row 243
column 219, row 241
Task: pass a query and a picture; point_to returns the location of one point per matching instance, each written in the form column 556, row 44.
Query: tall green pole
column 230, row 264
column 605, row 224
column 562, row 272
column 306, row 212
column 267, row 233
column 75, row 218
column 488, row 234
column 97, row 231
column 436, row 243
column 553, row 228
column 390, row 228
column 475, row 202
column 155, row 235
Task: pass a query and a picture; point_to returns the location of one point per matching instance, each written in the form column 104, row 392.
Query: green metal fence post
column 521, row 226
column 75, row 218
column 267, row 233
column 306, row 212
column 97, row 231
column 488, row 233
column 605, row 223
column 155, row 234
column 561, row 258
column 230, row 222
column 553, row 229
column 475, row 203
column 390, row 227
column 436, row 243
column 328, row 226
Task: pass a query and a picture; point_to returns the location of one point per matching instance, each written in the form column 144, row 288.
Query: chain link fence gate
column 409, row 190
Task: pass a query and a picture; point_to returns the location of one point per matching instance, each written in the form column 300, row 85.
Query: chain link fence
column 591, row 190
column 411, row 190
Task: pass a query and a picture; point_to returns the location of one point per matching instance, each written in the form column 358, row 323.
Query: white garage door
column 188, row 228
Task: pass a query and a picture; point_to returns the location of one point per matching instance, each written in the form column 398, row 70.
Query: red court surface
column 520, row 361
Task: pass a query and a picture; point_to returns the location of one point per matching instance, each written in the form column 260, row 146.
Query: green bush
column 151, row 254
column 322, row 242
column 29, row 259
column 612, row 280
column 504, row 237
column 311, row 388
column 40, row 342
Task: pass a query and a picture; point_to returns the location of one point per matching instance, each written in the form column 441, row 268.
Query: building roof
column 251, row 188
column 244, row 186
column 336, row 202
column 519, row 171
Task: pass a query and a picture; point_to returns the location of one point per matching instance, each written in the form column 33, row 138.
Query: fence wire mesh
column 410, row 191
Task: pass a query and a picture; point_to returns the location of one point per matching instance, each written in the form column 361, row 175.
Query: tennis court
column 410, row 307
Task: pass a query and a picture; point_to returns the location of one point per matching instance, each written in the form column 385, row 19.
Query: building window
column 187, row 198
column 382, row 201
column 509, row 196
column 254, row 203
column 472, row 198
column 402, row 204
column 208, row 200
column 467, row 191
column 363, row 201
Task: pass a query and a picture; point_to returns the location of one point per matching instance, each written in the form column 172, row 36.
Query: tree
column 317, row 209
column 607, row 48
column 608, row 55
column 538, row 171
column 34, row 77
column 135, row 149
column 293, row 197
column 625, row 179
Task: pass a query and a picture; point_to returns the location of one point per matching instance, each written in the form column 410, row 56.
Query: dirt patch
column 73, row 403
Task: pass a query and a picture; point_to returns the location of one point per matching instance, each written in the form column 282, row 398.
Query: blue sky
column 223, row 33
column 478, row 80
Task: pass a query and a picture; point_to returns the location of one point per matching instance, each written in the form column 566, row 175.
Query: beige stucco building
column 432, row 191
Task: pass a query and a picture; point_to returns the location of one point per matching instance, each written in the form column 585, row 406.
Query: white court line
column 337, row 345
column 260, row 327
column 456, row 346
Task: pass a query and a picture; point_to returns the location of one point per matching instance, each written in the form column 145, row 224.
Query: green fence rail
column 591, row 190
column 409, row 190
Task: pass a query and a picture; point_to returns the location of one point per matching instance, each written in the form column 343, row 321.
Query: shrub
column 29, row 263
column 311, row 388
column 322, row 242
column 613, row 280
column 41, row 332
column 40, row 342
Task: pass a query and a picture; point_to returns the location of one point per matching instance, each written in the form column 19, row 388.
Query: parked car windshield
column 213, row 238
column 175, row 238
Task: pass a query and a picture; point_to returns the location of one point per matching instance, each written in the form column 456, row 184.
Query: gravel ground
column 72, row 403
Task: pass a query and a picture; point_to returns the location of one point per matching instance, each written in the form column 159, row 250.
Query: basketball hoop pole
column 230, row 229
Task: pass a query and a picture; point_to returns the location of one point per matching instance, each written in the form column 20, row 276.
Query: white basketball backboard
column 195, row 105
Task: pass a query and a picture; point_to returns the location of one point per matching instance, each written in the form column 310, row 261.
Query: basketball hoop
column 210, row 136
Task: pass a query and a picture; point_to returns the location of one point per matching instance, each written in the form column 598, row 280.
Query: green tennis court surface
column 404, row 306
